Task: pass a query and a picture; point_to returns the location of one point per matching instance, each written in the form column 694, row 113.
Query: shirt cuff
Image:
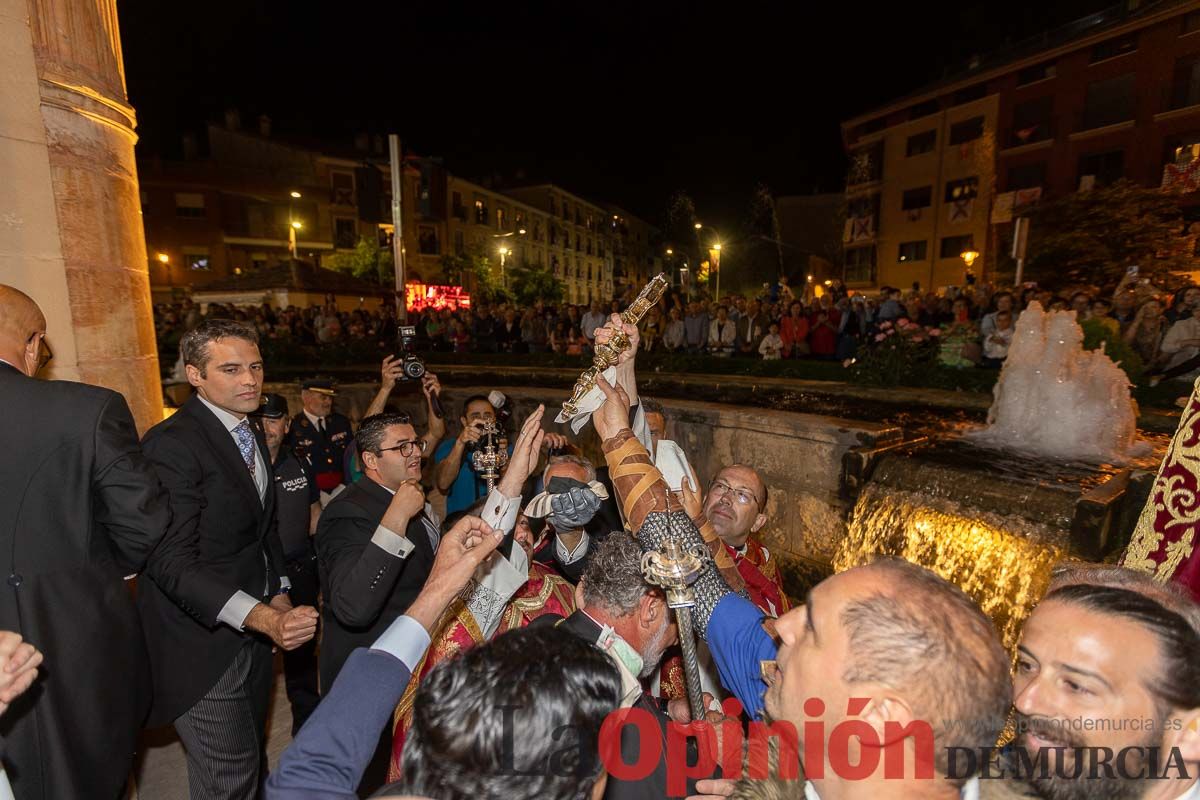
column 284, row 583
column 571, row 557
column 392, row 542
column 406, row 639
column 500, row 511
column 236, row 609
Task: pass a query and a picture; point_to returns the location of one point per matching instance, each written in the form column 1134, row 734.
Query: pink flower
column 885, row 325
column 879, row 337
column 918, row 338
column 902, row 322
column 891, row 333
column 935, row 332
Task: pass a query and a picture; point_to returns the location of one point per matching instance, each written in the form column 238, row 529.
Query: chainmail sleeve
column 710, row 587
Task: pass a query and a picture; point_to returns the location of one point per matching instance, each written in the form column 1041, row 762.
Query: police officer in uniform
column 298, row 505
column 321, row 433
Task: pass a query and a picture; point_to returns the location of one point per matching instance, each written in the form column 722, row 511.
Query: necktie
column 245, row 443
column 321, row 425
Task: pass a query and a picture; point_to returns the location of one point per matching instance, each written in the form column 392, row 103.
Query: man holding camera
column 321, row 433
column 453, row 473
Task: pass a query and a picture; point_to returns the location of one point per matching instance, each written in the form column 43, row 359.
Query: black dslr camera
column 410, row 363
column 412, row 368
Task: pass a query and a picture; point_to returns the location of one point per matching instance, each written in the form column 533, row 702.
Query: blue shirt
column 738, row 643
column 468, row 486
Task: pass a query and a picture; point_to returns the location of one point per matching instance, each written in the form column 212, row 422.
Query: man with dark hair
column 375, row 541
column 80, row 508
column 1109, row 662
column 905, row 646
column 454, row 474
column 218, row 576
column 475, row 733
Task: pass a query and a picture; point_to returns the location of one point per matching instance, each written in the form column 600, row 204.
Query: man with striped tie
column 215, row 600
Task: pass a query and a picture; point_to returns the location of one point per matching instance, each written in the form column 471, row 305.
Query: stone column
column 70, row 212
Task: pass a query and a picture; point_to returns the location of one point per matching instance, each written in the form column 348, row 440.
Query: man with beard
column 1109, row 670
column 879, row 646
column 629, row 620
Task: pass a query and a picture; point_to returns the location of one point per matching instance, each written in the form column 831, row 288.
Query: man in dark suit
column 80, row 508
column 330, row 753
column 375, row 541
column 321, row 433
column 217, row 576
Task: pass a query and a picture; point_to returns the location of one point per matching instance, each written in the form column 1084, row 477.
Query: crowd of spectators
column 973, row 326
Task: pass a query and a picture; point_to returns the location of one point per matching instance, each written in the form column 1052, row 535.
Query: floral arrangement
column 895, row 352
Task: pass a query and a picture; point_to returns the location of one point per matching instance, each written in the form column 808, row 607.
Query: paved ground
column 161, row 771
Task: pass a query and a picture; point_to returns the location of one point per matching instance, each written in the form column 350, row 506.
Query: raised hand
column 615, row 323
column 460, row 551
column 406, row 504
column 613, row 415
column 390, row 372
column 524, row 458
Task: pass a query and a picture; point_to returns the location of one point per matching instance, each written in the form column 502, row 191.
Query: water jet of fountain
column 1058, row 400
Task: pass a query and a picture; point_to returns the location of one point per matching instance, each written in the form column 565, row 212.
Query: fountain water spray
column 1058, row 400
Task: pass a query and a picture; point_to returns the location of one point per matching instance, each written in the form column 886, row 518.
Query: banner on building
column 859, row 229
column 1002, row 208
column 1182, row 178
column 961, row 209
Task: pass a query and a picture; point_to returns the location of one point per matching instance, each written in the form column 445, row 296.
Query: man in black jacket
column 375, row 542
column 629, row 620
column 218, row 576
column 80, row 508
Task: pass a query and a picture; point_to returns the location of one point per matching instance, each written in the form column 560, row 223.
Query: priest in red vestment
column 735, row 508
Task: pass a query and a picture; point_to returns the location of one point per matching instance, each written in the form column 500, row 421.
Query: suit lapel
column 226, row 449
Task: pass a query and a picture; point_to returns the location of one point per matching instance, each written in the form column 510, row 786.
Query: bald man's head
column 20, row 322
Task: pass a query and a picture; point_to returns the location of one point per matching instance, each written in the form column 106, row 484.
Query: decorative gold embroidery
column 1174, row 494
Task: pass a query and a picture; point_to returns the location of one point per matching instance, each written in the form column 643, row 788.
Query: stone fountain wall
column 799, row 456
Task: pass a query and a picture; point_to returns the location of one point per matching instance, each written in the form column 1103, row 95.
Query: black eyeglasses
column 44, row 351
column 406, row 448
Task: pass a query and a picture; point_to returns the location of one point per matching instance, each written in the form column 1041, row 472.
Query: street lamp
column 504, row 251
column 293, row 228
column 163, row 258
column 969, row 257
column 295, row 195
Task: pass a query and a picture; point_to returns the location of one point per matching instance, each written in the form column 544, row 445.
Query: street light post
column 714, row 257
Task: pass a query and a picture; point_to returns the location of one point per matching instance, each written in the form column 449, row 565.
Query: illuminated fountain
column 1056, row 399
column 1001, row 562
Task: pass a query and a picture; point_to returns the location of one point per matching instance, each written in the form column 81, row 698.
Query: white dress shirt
column 314, row 419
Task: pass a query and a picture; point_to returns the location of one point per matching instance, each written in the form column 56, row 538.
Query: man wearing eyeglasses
column 375, row 541
column 80, row 508
column 736, row 506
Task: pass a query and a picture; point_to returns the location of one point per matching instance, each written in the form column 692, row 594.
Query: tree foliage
column 367, row 260
column 1092, row 237
column 475, row 272
column 530, row 283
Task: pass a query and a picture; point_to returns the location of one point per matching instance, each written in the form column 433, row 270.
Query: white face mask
column 620, row 649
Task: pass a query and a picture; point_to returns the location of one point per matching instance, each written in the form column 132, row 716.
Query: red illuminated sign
column 420, row 296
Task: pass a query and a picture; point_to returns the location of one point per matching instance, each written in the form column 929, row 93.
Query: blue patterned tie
column 245, row 443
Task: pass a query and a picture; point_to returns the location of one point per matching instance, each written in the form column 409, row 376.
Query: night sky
column 615, row 101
